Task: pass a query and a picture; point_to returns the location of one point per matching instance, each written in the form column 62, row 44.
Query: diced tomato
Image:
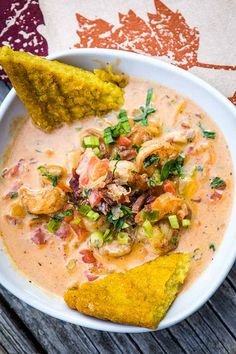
column 91, row 277
column 217, row 195
column 12, row 220
column 91, row 168
column 39, row 237
column 87, row 256
column 94, row 198
column 124, row 141
column 15, row 170
column 81, row 232
column 169, row 186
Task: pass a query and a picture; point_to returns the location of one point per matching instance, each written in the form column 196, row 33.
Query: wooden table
column 210, row 330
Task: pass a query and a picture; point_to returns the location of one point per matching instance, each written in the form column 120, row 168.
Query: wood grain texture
column 211, row 330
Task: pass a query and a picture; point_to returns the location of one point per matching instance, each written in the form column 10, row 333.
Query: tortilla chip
column 54, row 92
column 139, row 297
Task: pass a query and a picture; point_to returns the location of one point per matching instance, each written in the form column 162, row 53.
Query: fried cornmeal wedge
column 139, row 297
column 54, row 92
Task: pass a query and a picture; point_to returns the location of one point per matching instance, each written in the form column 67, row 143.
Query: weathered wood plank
column 13, row 337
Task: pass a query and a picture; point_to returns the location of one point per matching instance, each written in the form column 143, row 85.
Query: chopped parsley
column 44, row 172
column 62, row 215
column 207, row 133
column 212, row 247
column 136, row 147
column 172, row 167
column 147, row 110
column 14, row 195
column 85, row 193
column 121, row 128
column 150, row 160
column 118, row 215
column 217, row 182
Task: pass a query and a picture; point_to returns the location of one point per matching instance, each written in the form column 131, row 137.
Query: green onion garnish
column 97, row 151
column 96, row 239
column 92, row 215
column 155, row 179
column 122, row 127
column 123, row 238
column 84, row 209
column 91, row 141
column 152, row 215
column 147, row 110
column 186, row 222
column 147, row 226
column 173, row 221
column 108, row 139
column 76, row 221
column 53, row 225
column 207, row 133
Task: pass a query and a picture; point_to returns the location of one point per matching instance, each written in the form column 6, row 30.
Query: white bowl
column 220, row 110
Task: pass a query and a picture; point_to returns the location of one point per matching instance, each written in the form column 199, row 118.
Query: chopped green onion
column 155, row 179
column 125, row 225
column 76, row 221
column 97, row 151
column 60, row 216
column 207, row 133
column 217, row 182
column 123, row 238
column 152, row 215
column 150, row 160
column 173, row 221
column 107, row 236
column 108, row 139
column 91, row 141
column 96, row 239
column 147, row 110
column 84, row 209
column 147, row 226
column 186, row 222
column 124, row 121
column 92, row 215
column 53, row 225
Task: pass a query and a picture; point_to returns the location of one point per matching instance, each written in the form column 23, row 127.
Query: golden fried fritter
column 54, row 92
column 139, row 297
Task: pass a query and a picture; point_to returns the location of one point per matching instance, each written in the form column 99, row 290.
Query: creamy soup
column 76, row 206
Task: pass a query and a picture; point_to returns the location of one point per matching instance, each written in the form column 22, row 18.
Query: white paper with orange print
column 196, row 35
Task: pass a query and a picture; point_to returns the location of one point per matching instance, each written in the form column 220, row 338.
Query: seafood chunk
column 43, row 201
column 115, row 249
column 167, row 203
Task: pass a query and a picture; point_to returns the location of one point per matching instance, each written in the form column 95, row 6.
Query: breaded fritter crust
column 55, row 93
column 140, row 296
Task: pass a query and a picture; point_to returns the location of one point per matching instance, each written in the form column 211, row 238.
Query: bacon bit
column 196, row 200
column 14, row 189
column 74, row 181
column 64, row 231
column 217, row 195
column 15, row 170
column 128, row 154
column 186, row 124
column 124, row 141
column 88, row 256
column 81, row 232
column 12, row 220
column 90, row 277
column 94, row 198
column 39, row 237
column 169, row 186
column 139, row 203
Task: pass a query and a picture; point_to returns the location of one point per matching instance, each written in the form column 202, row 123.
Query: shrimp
column 123, row 170
column 115, row 249
column 168, row 203
column 163, row 149
column 43, row 201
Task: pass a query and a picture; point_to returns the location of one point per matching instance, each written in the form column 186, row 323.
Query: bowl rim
column 105, row 325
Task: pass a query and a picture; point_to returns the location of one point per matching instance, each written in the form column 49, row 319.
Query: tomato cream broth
column 47, row 265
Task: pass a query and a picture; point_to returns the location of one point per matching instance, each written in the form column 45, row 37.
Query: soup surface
column 76, row 205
